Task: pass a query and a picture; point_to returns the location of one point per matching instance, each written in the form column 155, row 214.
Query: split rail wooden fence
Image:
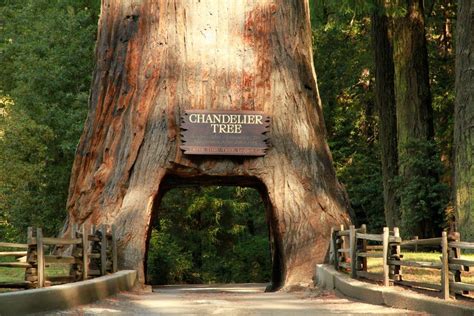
column 351, row 247
column 93, row 253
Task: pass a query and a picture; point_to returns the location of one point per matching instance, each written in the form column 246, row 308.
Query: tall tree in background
column 464, row 120
column 414, row 123
column 412, row 88
column 423, row 193
column 385, row 102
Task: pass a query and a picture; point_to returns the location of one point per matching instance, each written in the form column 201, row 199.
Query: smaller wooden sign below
column 238, row 133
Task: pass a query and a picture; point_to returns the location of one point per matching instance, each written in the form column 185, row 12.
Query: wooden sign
column 238, row 133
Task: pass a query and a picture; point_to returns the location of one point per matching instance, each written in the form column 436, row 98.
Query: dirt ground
column 229, row 299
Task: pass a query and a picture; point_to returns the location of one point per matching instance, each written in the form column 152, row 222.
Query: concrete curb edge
column 66, row 295
column 328, row 278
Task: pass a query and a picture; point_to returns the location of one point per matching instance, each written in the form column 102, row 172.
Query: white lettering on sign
column 226, row 123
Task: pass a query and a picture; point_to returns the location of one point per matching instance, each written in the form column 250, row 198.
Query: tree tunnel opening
column 212, row 230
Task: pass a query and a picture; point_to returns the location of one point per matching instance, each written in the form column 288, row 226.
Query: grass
column 433, row 276
column 18, row 274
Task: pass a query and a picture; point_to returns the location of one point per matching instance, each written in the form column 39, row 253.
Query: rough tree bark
column 412, row 87
column 413, row 98
column 385, row 102
column 158, row 58
column 464, row 120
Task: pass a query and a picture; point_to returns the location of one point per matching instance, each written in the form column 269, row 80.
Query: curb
column 327, row 277
column 66, row 295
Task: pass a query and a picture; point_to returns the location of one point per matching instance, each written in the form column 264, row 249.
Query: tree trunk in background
column 412, row 92
column 385, row 103
column 464, row 120
column 158, row 58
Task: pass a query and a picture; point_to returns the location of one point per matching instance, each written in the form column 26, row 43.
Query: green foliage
column 343, row 62
column 440, row 30
column 356, row 8
column 46, row 51
column 168, row 263
column 211, row 234
column 362, row 176
column 423, row 196
column 23, row 158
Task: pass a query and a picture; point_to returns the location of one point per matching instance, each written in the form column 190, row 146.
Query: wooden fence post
column 456, row 254
column 395, row 254
column 332, row 246
column 103, row 249
column 336, row 247
column 29, row 235
column 74, row 270
column 416, row 245
column 363, row 228
column 40, row 257
column 85, row 252
column 95, row 251
column 385, row 256
column 444, row 266
column 30, row 274
column 114, row 249
column 353, row 251
column 342, row 245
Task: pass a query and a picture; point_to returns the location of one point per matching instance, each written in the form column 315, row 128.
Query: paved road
column 229, row 299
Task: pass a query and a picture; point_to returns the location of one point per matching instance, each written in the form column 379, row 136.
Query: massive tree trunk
column 463, row 120
column 385, row 102
column 157, row 58
column 412, row 87
column 414, row 109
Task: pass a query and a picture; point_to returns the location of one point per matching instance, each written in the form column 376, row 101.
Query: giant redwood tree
column 414, row 117
column 463, row 120
column 385, row 103
column 157, row 58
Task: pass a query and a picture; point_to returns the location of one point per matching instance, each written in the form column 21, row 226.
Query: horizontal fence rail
column 350, row 248
column 93, row 252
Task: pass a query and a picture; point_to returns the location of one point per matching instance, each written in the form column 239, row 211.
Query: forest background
column 219, row 234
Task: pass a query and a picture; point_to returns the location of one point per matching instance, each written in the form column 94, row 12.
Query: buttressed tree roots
column 157, row 58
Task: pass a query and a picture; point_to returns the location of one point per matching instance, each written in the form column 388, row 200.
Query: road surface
column 229, row 299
